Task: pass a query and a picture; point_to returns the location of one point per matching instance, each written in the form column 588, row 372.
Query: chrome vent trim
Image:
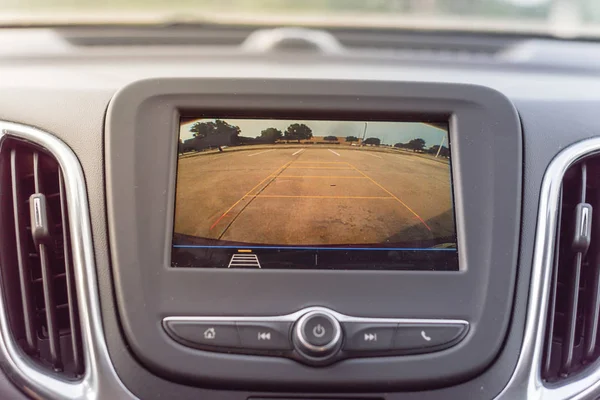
column 100, row 380
column 526, row 381
column 36, row 261
column 571, row 331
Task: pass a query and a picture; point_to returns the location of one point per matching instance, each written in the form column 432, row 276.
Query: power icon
column 319, row 331
column 317, row 336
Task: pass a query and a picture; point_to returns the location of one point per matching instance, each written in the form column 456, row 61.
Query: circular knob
column 317, row 336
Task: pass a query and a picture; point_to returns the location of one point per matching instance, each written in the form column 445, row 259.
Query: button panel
column 317, row 335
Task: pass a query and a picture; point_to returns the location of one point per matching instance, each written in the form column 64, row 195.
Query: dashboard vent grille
column 156, row 36
column 380, row 41
column 433, row 44
column 572, row 339
column 36, row 258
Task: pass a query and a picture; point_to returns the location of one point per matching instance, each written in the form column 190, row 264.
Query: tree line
column 419, row 145
column 295, row 132
column 298, row 132
column 270, row 135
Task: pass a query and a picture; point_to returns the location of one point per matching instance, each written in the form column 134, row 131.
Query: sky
column 389, row 132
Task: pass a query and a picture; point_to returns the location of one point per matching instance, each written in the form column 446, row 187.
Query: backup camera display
column 313, row 194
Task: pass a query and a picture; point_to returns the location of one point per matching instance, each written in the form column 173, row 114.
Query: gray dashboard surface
column 68, row 96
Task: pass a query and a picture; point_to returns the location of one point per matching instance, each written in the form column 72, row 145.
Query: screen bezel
column 291, row 116
column 141, row 140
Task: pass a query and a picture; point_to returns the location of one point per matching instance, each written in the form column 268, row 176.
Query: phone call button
column 423, row 336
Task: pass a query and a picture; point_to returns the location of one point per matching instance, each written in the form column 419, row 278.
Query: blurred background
column 554, row 17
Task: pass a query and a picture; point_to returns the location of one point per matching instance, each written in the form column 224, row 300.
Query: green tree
column 444, row 151
column 416, row 144
column 331, row 138
column 203, row 129
column 372, row 141
column 298, row 132
column 270, row 135
column 351, row 139
column 218, row 127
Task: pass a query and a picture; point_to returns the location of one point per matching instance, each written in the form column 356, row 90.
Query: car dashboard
column 93, row 152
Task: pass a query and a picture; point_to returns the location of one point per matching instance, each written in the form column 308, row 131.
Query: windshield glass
column 566, row 18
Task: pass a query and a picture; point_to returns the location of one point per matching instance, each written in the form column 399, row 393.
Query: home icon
column 210, row 334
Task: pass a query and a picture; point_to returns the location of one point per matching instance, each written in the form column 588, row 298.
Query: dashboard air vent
column 36, row 259
column 217, row 35
column 572, row 337
column 380, row 41
column 450, row 44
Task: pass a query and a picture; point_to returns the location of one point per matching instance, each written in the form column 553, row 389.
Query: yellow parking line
column 320, row 162
column 248, row 192
column 348, row 169
column 393, row 195
column 319, row 197
column 321, row 176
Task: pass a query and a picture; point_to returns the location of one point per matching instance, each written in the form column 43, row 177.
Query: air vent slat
column 593, row 309
column 571, row 321
column 70, row 278
column 48, row 196
column 47, row 281
column 547, row 362
column 21, row 252
column 57, row 276
column 50, row 308
column 574, row 301
column 57, row 307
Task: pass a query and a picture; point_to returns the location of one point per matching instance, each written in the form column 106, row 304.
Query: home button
column 215, row 334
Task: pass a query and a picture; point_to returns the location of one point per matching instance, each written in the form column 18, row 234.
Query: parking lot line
column 393, row 195
column 321, row 176
column 277, row 196
column 260, row 152
column 337, row 154
column 248, row 192
column 319, row 168
column 320, row 162
column 373, row 155
column 299, row 151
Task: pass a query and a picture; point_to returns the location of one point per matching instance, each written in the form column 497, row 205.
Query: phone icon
column 424, row 336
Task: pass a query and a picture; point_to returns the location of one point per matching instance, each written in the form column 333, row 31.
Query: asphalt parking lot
column 313, row 196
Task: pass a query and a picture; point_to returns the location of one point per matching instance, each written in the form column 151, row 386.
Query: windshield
column 565, row 18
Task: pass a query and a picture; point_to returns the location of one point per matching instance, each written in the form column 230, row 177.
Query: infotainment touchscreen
column 314, row 194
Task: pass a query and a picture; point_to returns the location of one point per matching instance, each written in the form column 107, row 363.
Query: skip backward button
column 265, row 335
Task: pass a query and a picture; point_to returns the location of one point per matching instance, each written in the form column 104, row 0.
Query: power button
column 318, row 330
column 317, row 335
